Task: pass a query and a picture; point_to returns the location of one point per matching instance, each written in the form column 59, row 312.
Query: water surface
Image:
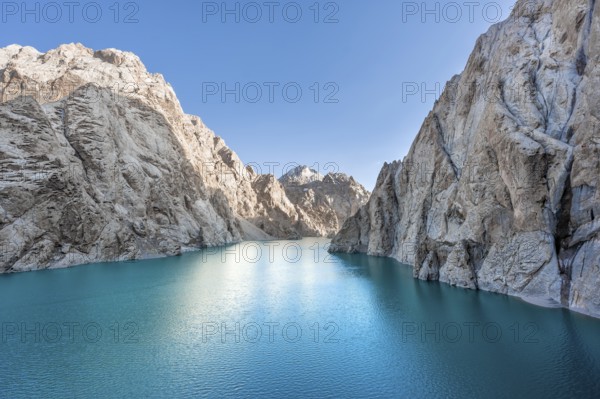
column 281, row 319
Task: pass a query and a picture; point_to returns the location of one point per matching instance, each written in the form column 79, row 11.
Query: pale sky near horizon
column 241, row 66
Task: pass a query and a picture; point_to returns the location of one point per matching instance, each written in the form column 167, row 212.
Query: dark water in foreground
column 298, row 325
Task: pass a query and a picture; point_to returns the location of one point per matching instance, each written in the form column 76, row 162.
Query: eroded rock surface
column 500, row 190
column 323, row 203
column 98, row 162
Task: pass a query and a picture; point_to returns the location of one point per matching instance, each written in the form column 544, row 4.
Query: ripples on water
column 380, row 332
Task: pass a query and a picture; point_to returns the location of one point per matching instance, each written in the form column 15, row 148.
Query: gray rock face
column 98, row 162
column 323, row 203
column 500, row 190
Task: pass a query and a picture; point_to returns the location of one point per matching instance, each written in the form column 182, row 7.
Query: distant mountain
column 300, row 175
column 324, row 202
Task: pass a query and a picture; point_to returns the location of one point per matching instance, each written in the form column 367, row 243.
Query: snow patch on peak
column 301, row 175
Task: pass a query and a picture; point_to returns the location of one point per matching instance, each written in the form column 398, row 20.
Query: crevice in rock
column 562, row 236
column 512, row 112
column 580, row 65
column 65, row 123
column 563, row 229
column 440, row 133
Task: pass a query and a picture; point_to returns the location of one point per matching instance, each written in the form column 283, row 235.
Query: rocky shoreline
column 500, row 189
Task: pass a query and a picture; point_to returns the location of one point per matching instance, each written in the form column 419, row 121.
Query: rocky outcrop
column 98, row 162
column 323, row 203
column 500, row 190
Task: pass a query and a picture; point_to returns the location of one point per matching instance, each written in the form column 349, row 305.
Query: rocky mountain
column 500, row 190
column 99, row 162
column 300, row 175
column 324, row 202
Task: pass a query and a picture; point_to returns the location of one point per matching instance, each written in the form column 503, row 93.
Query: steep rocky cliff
column 99, row 162
column 500, row 190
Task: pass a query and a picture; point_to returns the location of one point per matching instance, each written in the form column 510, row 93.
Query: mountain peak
column 300, row 175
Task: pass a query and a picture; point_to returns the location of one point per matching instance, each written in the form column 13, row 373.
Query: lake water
column 281, row 319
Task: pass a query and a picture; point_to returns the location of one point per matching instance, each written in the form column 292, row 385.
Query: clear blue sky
column 365, row 61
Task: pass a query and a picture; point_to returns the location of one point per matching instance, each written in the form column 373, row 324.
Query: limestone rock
column 500, row 189
column 98, row 162
column 323, row 203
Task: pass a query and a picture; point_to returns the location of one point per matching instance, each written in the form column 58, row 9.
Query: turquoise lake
column 282, row 319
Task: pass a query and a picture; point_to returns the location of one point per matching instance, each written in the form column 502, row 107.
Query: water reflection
column 397, row 336
column 555, row 341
